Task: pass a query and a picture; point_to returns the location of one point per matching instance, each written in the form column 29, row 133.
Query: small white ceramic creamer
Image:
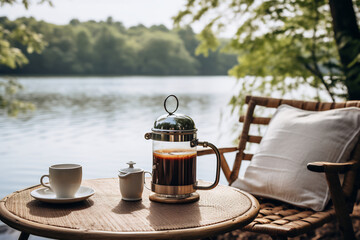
column 131, row 182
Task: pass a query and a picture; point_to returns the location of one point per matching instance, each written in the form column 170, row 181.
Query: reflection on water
column 100, row 122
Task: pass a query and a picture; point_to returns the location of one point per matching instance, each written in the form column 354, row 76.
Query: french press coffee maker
column 174, row 158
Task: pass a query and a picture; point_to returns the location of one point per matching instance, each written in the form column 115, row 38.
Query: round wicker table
column 106, row 216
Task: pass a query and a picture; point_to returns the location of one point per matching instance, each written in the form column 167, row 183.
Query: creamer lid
column 131, row 168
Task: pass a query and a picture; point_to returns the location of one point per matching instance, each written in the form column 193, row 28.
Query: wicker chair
column 281, row 220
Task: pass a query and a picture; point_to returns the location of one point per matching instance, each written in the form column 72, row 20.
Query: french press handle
column 194, row 143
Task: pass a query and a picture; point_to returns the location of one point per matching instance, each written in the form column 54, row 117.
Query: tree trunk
column 347, row 37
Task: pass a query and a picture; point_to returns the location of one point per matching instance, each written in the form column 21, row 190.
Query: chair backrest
column 351, row 179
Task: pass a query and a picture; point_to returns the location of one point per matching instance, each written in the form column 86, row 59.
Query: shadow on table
column 49, row 210
column 125, row 207
column 161, row 217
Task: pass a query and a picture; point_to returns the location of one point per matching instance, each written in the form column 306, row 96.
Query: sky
column 129, row 12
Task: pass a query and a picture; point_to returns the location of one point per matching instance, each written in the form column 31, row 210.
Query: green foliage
column 12, row 56
column 15, row 40
column 274, row 41
column 214, row 62
column 107, row 47
column 8, row 100
column 165, row 54
column 11, row 36
column 207, row 41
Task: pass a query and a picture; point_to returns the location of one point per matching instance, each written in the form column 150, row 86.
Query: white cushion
column 294, row 138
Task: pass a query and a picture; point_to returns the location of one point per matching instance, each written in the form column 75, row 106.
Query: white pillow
column 294, row 138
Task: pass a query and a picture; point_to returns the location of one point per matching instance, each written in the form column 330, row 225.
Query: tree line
column 109, row 48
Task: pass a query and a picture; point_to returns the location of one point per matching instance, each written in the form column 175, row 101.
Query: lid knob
column 177, row 104
column 131, row 164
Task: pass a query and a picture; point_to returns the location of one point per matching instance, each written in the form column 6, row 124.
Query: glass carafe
column 174, row 158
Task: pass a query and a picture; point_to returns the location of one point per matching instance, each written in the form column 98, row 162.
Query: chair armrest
column 224, row 164
column 331, row 167
column 221, row 150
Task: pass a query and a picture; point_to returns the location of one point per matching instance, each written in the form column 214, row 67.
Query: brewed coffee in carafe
column 174, row 165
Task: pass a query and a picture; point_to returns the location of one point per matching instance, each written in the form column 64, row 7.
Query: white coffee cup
column 65, row 179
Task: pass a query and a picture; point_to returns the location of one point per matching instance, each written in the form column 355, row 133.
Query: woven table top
column 105, row 215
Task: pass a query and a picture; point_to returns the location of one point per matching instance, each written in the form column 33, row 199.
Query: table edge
column 40, row 229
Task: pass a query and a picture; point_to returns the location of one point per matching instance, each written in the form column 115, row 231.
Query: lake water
column 100, row 122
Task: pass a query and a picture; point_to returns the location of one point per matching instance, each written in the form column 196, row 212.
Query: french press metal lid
column 173, row 127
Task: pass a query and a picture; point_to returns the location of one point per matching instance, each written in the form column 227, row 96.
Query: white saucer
column 47, row 195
